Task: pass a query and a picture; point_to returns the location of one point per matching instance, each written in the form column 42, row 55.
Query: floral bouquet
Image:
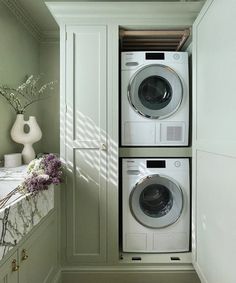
column 42, row 172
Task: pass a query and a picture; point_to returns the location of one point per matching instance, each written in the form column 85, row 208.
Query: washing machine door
column 156, row 201
column 155, row 91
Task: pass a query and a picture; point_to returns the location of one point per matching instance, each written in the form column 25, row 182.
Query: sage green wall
column 19, row 56
column 49, row 109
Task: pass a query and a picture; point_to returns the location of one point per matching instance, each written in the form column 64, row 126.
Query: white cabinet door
column 214, row 142
column 86, row 142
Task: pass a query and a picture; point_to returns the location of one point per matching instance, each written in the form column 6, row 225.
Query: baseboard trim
column 128, row 276
column 57, row 277
column 129, row 268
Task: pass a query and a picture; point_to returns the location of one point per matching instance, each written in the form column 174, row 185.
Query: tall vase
column 27, row 139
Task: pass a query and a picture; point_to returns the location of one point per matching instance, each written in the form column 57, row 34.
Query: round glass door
column 155, row 92
column 156, row 201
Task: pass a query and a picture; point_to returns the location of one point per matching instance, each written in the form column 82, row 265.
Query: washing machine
column 155, row 205
column 154, row 99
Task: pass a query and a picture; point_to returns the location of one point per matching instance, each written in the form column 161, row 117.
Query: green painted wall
column 19, row 56
column 49, row 65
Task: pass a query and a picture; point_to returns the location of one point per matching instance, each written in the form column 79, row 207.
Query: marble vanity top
column 10, row 178
column 21, row 212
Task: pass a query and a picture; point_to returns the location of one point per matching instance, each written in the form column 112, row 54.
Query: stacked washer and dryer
column 155, row 191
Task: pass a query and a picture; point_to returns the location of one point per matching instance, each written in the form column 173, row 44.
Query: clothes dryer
column 156, row 205
column 154, row 99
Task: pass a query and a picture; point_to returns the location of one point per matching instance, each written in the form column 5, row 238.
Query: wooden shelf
column 165, row 40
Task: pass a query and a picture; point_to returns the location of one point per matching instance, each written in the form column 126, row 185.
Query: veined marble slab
column 21, row 216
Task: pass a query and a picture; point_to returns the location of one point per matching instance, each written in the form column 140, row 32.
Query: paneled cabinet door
column 214, row 142
column 86, row 142
column 9, row 270
column 38, row 255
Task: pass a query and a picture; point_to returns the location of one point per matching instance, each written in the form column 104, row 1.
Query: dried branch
column 26, row 94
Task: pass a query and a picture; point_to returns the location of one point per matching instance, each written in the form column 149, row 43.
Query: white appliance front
column 155, row 205
column 154, row 99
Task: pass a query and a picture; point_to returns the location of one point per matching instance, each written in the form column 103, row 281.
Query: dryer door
column 156, row 201
column 155, row 91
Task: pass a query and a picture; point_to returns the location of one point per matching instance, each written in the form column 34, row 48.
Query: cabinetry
column 86, row 141
column 35, row 259
column 214, row 141
column 6, row 273
column 90, row 118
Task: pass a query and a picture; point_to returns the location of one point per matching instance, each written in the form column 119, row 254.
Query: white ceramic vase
column 27, row 139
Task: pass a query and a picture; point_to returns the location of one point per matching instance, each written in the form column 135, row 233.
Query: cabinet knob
column 14, row 266
column 24, row 255
column 103, row 147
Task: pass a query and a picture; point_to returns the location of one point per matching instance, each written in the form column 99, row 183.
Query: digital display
column 155, row 56
column 156, row 164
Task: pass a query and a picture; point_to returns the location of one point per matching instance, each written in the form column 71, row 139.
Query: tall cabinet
column 89, row 141
column 86, row 141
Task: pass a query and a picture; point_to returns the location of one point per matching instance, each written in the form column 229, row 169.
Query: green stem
column 8, row 100
column 28, row 104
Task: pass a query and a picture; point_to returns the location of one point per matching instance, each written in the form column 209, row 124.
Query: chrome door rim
column 170, row 76
column 151, row 222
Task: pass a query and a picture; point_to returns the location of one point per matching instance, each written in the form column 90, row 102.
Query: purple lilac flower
column 35, row 183
column 52, row 174
column 52, row 167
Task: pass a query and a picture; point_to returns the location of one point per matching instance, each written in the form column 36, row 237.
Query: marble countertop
column 20, row 214
column 10, row 178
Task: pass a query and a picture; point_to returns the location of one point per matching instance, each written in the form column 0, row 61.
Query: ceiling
column 39, row 16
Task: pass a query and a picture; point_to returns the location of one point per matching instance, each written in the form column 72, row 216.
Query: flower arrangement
column 42, row 172
column 26, row 94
